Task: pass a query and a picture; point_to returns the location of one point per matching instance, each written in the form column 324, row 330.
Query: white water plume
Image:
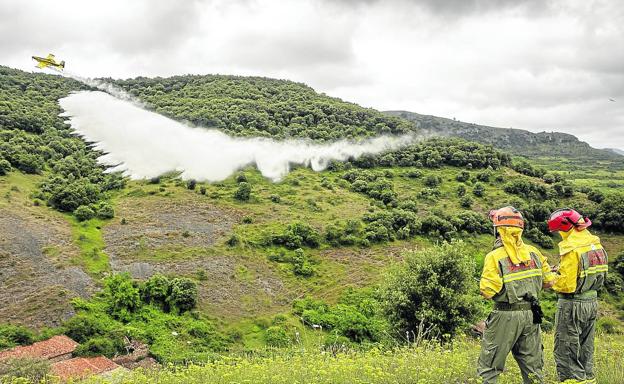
column 145, row 144
column 106, row 87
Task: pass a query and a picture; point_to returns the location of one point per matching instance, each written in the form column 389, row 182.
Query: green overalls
column 510, row 327
column 583, row 272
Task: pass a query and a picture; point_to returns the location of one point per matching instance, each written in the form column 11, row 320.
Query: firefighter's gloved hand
column 536, row 308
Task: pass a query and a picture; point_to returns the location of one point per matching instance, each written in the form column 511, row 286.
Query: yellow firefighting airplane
column 43, row 62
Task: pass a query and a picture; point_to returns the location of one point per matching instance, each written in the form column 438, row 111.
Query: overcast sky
column 534, row 64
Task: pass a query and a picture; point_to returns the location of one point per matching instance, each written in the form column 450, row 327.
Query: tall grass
column 423, row 364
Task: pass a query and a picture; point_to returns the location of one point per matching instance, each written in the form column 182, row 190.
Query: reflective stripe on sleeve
column 595, row 269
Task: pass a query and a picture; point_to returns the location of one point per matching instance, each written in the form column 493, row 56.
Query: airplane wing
column 41, row 64
column 50, row 56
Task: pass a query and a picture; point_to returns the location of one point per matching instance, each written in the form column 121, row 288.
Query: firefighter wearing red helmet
column 582, row 272
column 513, row 275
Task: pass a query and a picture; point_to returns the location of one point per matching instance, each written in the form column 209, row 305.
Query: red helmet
column 566, row 219
column 506, row 217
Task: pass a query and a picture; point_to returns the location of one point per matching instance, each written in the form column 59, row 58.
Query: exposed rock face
column 36, row 278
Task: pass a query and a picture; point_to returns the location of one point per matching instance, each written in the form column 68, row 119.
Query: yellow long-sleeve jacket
column 583, row 264
column 516, row 268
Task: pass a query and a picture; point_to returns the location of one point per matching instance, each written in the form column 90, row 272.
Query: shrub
column 463, row 176
column 202, row 190
column 595, row 196
column 191, row 184
column 84, row 213
column 432, row 181
column 301, row 265
column 466, row 202
column 484, row 176
column 609, row 325
column 243, row 192
column 183, row 294
column 540, row 238
column 413, row 174
column 105, row 211
column 122, row 295
column 240, row 177
column 155, row 290
column 98, row 346
column 12, row 335
column 610, row 214
column 434, row 287
column 478, row 190
column 277, row 336
column 84, row 326
column 461, row 191
column 297, row 235
column 33, row 370
column 275, row 198
column 429, row 194
column 5, row 167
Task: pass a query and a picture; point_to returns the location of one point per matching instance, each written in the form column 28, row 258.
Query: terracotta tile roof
column 80, row 367
column 48, row 349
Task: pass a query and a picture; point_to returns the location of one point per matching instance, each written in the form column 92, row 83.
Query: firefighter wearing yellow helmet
column 513, row 275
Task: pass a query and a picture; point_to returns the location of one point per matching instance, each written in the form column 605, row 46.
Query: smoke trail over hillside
column 145, row 144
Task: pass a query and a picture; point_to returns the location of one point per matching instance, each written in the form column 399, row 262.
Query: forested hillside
column 318, row 260
column 516, row 141
column 257, row 106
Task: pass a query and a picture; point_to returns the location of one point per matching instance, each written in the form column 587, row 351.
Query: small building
column 58, row 351
column 81, row 367
column 55, row 349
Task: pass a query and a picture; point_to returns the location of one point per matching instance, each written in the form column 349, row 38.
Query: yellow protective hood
column 514, row 246
column 575, row 239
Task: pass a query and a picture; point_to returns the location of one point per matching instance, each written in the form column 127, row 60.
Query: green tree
column 122, row 295
column 183, row 294
column 243, row 192
column 435, row 289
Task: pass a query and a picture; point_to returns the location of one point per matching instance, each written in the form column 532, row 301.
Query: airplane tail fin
column 63, row 64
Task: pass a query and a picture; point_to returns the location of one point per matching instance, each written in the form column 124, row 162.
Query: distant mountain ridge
column 615, row 150
column 517, row 141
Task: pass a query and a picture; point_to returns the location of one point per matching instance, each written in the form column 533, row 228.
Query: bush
column 540, row 238
column 84, row 326
column 413, row 174
column 240, row 177
column 463, row 176
column 275, row 198
column 84, row 213
column 105, row 211
column 191, row 184
column 122, row 295
column 243, row 192
column 434, row 288
column 298, row 235
column 432, row 181
column 610, row 214
column 32, row 369
column 155, row 290
column 12, row 335
column 183, row 294
column 277, row 336
column 595, row 196
column 461, row 191
column 301, row 265
column 202, row 190
column 466, row 202
column 98, row 346
column 478, row 190
column 609, row 325
column 5, row 167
